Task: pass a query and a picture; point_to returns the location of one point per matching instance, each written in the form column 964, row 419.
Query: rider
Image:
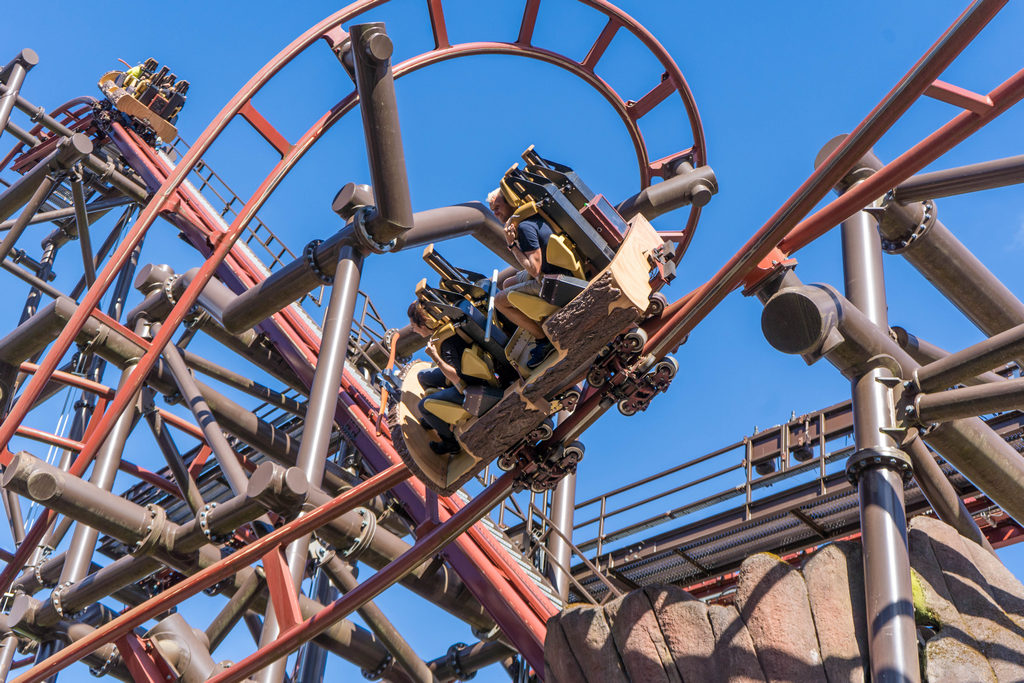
column 528, row 241
column 446, row 381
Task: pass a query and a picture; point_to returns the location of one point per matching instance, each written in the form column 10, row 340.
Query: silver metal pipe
column 82, row 225
column 892, row 633
column 953, row 181
column 689, row 186
column 323, row 402
column 840, row 332
column 311, row 660
column 977, row 358
column 563, row 504
column 13, row 75
column 941, row 406
column 925, row 352
column 941, row 495
column 226, row 457
column 375, row 84
column 403, row 653
column 105, row 466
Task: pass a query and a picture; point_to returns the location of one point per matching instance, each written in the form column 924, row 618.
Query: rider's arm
column 533, row 262
column 447, row 369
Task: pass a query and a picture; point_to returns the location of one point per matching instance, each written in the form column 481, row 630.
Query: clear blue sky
column 773, row 83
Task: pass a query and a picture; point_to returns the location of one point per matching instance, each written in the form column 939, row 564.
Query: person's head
column 418, row 320
column 499, row 205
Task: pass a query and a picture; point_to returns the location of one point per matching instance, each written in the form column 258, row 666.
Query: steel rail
column 431, row 542
column 218, row 571
column 1004, row 96
column 942, row 53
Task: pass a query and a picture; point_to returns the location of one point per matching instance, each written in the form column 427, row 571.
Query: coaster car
column 581, row 316
column 151, row 99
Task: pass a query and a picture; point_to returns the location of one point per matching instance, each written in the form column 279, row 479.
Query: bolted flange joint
column 896, row 246
column 892, row 458
column 362, row 222
column 367, row 529
column 204, row 526
column 378, row 673
column 455, row 663
column 154, row 531
column 309, row 253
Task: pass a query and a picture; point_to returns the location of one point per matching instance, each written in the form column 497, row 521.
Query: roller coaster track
column 79, row 149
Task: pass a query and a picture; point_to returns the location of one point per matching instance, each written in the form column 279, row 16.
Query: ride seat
column 478, row 363
column 562, row 252
column 451, row 413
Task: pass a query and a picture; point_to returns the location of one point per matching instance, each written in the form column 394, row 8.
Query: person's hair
column 416, row 315
column 493, row 196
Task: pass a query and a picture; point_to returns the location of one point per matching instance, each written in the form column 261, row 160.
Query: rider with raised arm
column 528, row 241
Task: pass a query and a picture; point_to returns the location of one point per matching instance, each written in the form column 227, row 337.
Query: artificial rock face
column 805, row 624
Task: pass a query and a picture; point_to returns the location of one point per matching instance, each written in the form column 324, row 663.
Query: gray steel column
column 838, row 331
column 13, row 75
column 34, row 187
column 316, row 432
column 108, row 458
column 953, row 181
column 82, row 225
column 8, row 649
column 563, row 505
column 371, row 52
column 226, row 458
column 892, row 633
column 403, row 653
column 186, row 484
column 183, row 649
column 948, row 506
column 312, row 659
column 913, row 231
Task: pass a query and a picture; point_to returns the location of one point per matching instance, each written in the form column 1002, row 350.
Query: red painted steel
column 1007, row 94
column 149, row 477
column 283, row 599
column 960, row 97
column 265, row 128
column 674, row 329
column 218, row 571
column 141, row 663
column 429, row 544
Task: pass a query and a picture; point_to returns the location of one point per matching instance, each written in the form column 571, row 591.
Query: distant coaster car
column 581, row 317
column 151, row 98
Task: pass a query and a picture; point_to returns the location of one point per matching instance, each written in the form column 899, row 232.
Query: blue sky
column 773, row 82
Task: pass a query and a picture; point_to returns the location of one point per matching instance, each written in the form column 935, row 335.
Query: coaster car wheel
column 633, row 342
column 569, row 400
column 628, row 407
column 572, row 454
column 541, row 433
column 666, row 369
column 657, row 305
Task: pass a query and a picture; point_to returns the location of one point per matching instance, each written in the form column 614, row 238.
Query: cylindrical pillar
column 108, row 459
column 323, row 401
column 13, row 75
column 563, row 505
column 892, row 634
column 403, row 653
column 312, row 659
column 941, row 495
column 375, row 83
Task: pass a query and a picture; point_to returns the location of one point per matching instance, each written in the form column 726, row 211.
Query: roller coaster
column 321, row 469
